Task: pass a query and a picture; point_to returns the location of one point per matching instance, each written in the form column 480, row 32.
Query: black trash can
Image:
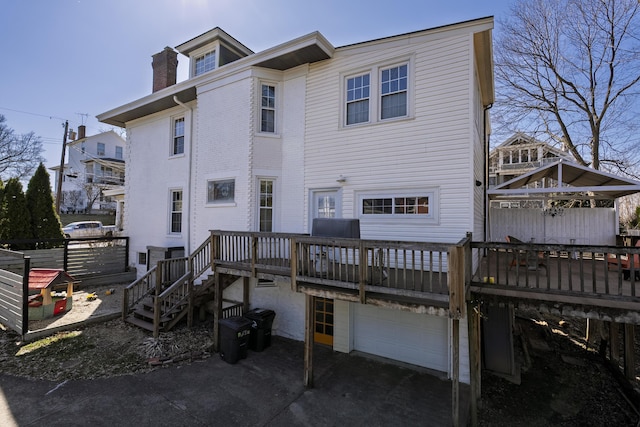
column 234, row 338
column 261, row 321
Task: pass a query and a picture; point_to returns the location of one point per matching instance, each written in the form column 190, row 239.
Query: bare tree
column 71, row 199
column 569, row 69
column 93, row 192
column 20, row 155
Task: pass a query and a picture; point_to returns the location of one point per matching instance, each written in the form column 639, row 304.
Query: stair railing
column 138, row 290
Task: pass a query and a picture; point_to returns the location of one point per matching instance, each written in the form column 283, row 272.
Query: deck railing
column 596, row 271
column 403, row 268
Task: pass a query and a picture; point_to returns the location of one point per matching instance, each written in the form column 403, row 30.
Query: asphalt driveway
column 265, row 389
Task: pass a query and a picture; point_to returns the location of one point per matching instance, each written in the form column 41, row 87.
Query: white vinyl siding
column 432, row 149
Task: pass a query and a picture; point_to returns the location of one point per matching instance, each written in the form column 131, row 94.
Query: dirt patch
column 81, row 350
column 564, row 381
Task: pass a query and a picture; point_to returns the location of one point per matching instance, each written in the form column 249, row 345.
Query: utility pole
column 61, row 173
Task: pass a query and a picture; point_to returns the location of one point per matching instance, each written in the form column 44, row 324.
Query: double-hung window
column 176, row 211
column 380, row 94
column 178, row 137
column 358, row 91
column 119, row 152
column 393, row 92
column 266, row 205
column 268, row 109
column 101, row 149
column 204, row 63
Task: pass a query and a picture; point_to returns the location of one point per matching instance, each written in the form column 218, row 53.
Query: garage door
column 418, row 339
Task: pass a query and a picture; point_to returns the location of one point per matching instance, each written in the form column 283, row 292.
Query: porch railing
column 403, row 268
column 597, row 271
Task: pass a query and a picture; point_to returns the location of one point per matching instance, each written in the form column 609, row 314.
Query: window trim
column 222, row 202
column 259, row 202
column 170, row 230
column 274, row 109
column 277, row 108
column 213, row 52
column 375, row 91
column 433, row 193
column 366, row 98
column 174, row 120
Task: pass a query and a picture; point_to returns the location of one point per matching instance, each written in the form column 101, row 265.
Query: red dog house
column 45, row 304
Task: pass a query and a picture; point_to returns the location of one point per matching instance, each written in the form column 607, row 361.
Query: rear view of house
column 390, row 132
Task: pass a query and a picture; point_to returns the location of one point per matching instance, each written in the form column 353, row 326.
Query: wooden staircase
column 171, row 289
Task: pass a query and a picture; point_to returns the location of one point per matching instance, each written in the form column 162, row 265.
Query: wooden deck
column 416, row 272
column 557, row 275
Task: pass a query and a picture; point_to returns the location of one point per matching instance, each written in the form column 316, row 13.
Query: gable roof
column 571, row 178
column 43, row 278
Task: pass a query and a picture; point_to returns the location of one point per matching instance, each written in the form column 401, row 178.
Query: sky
column 74, row 59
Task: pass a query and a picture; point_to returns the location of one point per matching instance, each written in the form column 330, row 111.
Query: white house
column 95, row 164
column 389, row 131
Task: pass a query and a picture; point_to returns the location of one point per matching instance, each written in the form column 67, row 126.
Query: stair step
column 139, row 322
column 143, row 313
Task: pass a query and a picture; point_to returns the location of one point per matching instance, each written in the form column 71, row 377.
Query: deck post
column 629, row 351
column 294, row 264
column 254, row 256
column 473, row 322
column 614, row 343
column 362, row 272
column 217, row 312
column 308, row 341
column 245, row 294
column 455, row 377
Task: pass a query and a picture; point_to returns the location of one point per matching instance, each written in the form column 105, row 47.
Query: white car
column 86, row 229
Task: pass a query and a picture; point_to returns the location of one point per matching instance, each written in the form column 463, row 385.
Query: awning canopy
column 571, row 180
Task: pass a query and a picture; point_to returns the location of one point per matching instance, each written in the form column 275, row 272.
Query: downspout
column 486, row 170
column 188, row 215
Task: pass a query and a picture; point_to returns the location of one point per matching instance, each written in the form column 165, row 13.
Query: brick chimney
column 165, row 68
column 82, row 131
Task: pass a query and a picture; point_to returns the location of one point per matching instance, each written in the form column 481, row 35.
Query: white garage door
column 418, row 339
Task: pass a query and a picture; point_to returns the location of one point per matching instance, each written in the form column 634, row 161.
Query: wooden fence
column 78, row 257
column 13, row 292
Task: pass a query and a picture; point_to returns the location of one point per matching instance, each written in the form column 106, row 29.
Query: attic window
column 204, row 63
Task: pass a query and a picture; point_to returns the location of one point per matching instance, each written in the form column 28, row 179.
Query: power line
column 32, row 114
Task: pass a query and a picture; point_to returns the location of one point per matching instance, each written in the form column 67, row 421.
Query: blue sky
column 64, row 59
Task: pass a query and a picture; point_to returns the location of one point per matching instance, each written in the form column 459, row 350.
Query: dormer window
column 204, row 63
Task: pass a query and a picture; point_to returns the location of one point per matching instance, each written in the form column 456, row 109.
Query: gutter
column 188, row 213
column 486, row 171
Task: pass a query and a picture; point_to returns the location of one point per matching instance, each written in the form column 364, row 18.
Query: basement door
column 323, row 321
column 418, row 339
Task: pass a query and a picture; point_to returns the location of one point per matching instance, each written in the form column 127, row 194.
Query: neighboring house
column 521, row 154
column 516, row 156
column 389, row 131
column 95, row 164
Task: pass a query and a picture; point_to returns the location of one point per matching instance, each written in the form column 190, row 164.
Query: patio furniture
column 530, row 259
column 623, row 261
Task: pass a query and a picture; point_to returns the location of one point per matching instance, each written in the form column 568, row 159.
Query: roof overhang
column 154, row 103
column 572, row 179
column 483, row 47
column 310, row 48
